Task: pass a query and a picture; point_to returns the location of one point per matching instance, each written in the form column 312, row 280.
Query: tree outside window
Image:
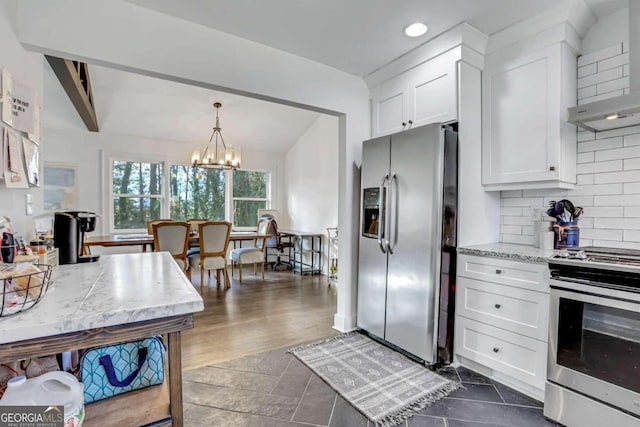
column 137, row 193
column 197, row 193
column 250, row 193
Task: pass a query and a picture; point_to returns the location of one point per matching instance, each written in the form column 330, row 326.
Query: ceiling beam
column 74, row 78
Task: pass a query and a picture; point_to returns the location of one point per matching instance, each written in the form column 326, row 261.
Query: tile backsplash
column 608, row 169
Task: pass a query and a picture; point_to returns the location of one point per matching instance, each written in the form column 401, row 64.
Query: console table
column 306, row 254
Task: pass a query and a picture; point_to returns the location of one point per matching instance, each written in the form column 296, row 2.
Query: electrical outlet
column 28, row 203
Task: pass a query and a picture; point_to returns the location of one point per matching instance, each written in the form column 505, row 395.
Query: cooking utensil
column 569, row 207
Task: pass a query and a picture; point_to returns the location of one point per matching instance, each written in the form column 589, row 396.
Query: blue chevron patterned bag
column 115, row 369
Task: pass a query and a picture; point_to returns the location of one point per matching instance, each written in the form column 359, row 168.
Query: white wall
column 607, row 31
column 311, row 174
column 26, row 68
column 125, row 36
column 311, row 179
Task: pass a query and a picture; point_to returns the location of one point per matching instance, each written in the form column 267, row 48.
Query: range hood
column 621, row 111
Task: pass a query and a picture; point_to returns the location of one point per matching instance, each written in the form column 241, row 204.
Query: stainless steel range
column 593, row 373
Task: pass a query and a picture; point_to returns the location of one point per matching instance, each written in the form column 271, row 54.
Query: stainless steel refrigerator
column 408, row 240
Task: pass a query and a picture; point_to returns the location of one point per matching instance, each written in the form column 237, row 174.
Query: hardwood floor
column 258, row 315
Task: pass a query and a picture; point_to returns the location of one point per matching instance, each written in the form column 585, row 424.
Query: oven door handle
column 575, row 289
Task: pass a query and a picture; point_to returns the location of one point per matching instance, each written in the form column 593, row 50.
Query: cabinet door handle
column 410, row 123
column 498, row 271
column 496, row 349
column 404, row 125
column 498, row 306
column 552, row 168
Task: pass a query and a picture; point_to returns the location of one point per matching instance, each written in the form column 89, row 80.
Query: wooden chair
column 195, row 222
column 214, row 242
column 172, row 237
column 252, row 255
column 155, row 221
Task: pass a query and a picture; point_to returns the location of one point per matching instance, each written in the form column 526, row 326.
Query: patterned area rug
column 383, row 384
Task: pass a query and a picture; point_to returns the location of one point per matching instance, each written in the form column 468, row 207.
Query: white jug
column 50, row 389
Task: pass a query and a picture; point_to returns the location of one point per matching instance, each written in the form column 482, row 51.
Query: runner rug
column 381, row 383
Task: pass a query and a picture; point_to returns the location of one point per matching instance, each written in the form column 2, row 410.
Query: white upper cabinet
column 527, row 142
column 422, row 95
column 389, row 108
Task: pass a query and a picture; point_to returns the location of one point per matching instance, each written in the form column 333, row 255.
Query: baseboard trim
column 515, row 384
column 344, row 323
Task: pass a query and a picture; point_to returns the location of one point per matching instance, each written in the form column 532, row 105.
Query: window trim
column 108, row 159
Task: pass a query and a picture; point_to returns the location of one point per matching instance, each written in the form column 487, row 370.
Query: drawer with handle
column 525, row 275
column 515, row 309
column 515, row 355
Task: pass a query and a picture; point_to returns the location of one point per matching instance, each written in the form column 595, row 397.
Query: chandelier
column 217, row 154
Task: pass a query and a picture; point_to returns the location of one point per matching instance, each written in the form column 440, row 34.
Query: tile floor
column 275, row 389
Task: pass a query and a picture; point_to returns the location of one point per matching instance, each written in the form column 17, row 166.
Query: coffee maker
column 68, row 235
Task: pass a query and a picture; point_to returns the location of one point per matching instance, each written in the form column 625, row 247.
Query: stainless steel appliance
column 593, row 371
column 68, row 236
column 620, row 111
column 408, row 240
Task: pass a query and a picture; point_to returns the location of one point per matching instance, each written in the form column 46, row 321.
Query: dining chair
column 214, row 242
column 252, row 255
column 195, row 222
column 172, row 237
column 194, row 247
column 155, row 221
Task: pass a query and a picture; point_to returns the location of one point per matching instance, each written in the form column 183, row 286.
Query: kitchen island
column 119, row 298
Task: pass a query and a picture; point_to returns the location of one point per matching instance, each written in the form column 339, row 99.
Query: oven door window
column 600, row 341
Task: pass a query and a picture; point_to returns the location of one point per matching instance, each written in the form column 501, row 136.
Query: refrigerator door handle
column 381, row 214
column 393, row 214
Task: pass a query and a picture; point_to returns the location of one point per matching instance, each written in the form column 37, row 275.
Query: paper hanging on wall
column 32, row 160
column 3, row 145
column 35, row 136
column 7, row 107
column 14, row 173
column 18, row 105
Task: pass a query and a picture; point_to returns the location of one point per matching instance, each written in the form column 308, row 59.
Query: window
column 137, row 193
column 143, row 190
column 250, row 193
column 197, row 193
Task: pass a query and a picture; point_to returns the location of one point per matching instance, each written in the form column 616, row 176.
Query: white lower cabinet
column 515, row 355
column 518, row 310
column 501, row 325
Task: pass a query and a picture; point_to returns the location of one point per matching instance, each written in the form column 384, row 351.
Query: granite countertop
column 116, row 290
column 509, row 251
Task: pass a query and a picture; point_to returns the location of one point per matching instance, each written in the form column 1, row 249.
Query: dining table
column 146, row 240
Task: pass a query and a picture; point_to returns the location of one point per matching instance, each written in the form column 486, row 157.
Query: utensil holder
column 567, row 235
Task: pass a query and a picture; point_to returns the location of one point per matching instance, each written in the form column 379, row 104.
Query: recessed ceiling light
column 612, row 116
column 415, row 30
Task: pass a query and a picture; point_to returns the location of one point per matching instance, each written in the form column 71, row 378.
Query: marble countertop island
column 116, row 290
column 120, row 298
column 509, row 251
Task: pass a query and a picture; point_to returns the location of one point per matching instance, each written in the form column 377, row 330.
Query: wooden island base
column 139, row 407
